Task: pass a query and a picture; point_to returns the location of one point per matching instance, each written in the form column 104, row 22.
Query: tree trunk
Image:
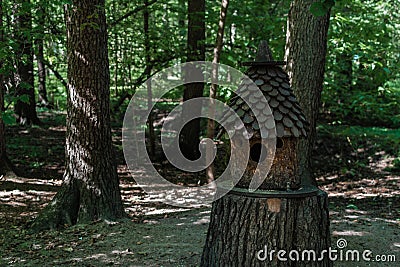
column 242, row 226
column 146, row 19
column 190, row 134
column 5, row 164
column 90, row 188
column 249, row 229
column 25, row 106
column 116, row 49
column 2, row 90
column 214, row 87
column 306, row 43
column 43, row 99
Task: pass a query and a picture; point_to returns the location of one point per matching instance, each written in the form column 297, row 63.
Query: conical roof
column 273, row 84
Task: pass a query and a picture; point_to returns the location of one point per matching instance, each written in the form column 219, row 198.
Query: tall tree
column 25, row 106
column 40, row 15
column 305, row 52
column 147, row 47
column 3, row 156
column 214, row 87
column 5, row 165
column 90, row 188
column 190, row 134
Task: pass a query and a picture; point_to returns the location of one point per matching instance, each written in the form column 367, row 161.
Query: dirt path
column 172, row 238
column 364, row 206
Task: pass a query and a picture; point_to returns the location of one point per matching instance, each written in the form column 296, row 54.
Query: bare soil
column 364, row 208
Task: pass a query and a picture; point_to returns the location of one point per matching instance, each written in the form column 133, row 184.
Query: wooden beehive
column 290, row 123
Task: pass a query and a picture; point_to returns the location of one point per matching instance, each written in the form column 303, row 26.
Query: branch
column 141, row 79
column 132, row 12
column 210, row 172
column 56, row 73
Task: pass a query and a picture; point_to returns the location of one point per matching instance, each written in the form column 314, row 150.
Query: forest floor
column 354, row 165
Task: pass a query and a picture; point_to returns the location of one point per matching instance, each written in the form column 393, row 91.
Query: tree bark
column 90, row 189
column 25, row 106
column 190, row 134
column 242, row 226
column 305, row 52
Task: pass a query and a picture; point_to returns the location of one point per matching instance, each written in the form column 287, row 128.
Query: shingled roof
column 274, row 85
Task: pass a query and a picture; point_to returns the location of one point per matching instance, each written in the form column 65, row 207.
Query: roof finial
column 264, row 57
column 263, row 52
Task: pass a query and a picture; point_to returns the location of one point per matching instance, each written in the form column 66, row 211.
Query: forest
column 314, row 82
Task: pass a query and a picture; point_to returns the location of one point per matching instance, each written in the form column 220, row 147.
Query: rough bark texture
column 284, row 170
column 242, row 226
column 90, row 189
column 306, row 42
column 25, row 106
column 190, row 134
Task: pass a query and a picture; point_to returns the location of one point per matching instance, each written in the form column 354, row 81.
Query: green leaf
column 8, row 117
column 22, row 98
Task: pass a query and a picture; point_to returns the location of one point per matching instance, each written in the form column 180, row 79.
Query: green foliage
column 377, row 141
column 352, row 207
column 362, row 85
column 320, row 9
column 387, row 137
column 396, row 166
column 8, row 117
column 22, row 98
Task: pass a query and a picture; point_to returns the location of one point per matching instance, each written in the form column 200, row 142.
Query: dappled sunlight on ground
column 364, row 208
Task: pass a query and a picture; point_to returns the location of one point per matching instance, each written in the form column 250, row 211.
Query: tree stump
column 286, row 221
column 244, row 228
